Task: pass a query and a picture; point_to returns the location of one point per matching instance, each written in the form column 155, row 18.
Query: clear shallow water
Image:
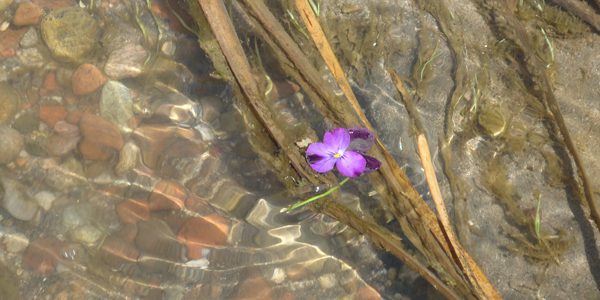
column 127, row 172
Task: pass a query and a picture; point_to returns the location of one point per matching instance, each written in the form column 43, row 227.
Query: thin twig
column 472, row 270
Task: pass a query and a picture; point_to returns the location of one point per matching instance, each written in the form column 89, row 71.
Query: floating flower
column 344, row 149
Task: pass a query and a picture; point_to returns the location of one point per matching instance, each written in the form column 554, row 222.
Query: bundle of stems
column 440, row 258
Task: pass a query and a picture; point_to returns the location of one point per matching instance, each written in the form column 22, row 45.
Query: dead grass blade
column 469, row 266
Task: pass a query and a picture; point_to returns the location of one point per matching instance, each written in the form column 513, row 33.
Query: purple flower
column 343, row 148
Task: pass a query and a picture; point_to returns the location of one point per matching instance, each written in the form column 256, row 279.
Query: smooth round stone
column 86, row 234
column 126, row 62
column 128, row 158
column 11, row 143
column 15, row 242
column 70, row 33
column 86, row 79
column 116, row 104
column 75, row 216
column 27, row 122
column 9, row 99
column 16, row 202
column 45, row 199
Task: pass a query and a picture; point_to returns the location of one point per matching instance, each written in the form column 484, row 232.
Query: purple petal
column 372, row 164
column 351, row 164
column 320, row 157
column 361, row 139
column 338, row 138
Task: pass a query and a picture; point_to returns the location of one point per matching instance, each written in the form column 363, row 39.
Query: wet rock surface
column 70, row 33
column 86, row 79
column 9, row 100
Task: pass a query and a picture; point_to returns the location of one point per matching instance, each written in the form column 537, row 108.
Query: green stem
column 314, row 198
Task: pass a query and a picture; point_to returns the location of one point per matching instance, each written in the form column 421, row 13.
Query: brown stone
column 203, row 232
column 50, row 85
column 42, row 255
column 59, row 145
column 152, row 140
column 253, row 288
column 9, row 41
column 131, row 211
column 100, row 131
column 91, row 150
column 128, row 232
column 50, row 114
column 73, row 117
column 198, row 204
column 27, row 14
column 87, row 79
column 117, row 251
column 167, row 195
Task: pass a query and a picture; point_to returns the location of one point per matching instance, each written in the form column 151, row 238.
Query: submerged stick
column 222, row 27
column 470, row 267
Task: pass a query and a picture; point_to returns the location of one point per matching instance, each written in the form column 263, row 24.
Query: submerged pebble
column 31, row 58
column 101, row 138
column 30, row 38
column 27, row 122
column 77, row 215
column 15, row 242
column 9, row 100
column 87, row 235
column 86, row 79
column 45, row 199
column 42, row 255
column 126, row 62
column 63, row 140
column 116, row 104
column 27, row 13
column 16, row 201
column 128, row 158
column 70, row 33
column 11, row 143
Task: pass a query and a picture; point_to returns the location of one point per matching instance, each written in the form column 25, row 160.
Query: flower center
column 338, row 154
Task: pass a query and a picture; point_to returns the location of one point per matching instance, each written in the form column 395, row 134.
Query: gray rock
column 15, row 242
column 128, row 158
column 116, row 104
column 11, row 143
column 77, row 215
column 31, row 58
column 118, row 34
column 9, row 100
column 45, row 199
column 30, row 38
column 126, row 62
column 86, row 234
column 10, row 68
column 26, row 122
column 70, row 33
column 16, row 202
